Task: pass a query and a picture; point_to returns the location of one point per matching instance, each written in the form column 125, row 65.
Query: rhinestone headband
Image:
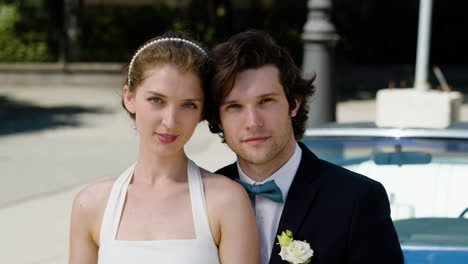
column 158, row 41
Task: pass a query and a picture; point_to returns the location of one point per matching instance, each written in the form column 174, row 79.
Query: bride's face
column 167, row 106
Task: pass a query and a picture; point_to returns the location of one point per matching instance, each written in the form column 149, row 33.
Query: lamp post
column 424, row 40
column 319, row 40
column 72, row 28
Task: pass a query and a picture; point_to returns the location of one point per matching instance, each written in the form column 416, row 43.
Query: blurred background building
column 376, row 46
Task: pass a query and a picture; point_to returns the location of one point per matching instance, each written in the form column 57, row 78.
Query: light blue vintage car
column 425, row 173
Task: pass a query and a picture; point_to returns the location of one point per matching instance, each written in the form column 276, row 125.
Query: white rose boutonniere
column 294, row 251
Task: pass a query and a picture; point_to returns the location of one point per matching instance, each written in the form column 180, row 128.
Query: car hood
column 433, row 254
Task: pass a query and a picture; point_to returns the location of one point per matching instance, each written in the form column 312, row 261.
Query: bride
column 164, row 208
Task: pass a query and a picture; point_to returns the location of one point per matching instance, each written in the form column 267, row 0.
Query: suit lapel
column 229, row 171
column 300, row 197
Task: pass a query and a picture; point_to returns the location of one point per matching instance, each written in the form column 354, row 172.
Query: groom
column 260, row 111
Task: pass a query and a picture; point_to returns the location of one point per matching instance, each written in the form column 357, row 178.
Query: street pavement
column 56, row 139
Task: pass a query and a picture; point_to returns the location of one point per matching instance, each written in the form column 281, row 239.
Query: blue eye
column 156, row 100
column 190, row 106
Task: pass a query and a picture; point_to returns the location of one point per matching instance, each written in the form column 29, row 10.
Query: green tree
column 17, row 44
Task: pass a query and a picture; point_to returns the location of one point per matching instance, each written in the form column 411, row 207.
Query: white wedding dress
column 201, row 250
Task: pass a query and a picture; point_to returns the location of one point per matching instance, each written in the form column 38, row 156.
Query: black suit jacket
column 344, row 216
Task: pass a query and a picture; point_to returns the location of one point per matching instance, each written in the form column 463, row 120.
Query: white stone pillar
column 319, row 40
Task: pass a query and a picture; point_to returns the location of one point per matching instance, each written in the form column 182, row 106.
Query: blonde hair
column 171, row 48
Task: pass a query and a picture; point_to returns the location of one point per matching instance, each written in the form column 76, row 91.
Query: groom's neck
column 259, row 171
column 256, row 172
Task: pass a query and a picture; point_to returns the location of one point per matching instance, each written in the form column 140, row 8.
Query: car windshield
column 426, row 181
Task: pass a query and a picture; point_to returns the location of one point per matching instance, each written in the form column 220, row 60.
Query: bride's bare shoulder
column 88, row 209
column 92, row 199
column 222, row 188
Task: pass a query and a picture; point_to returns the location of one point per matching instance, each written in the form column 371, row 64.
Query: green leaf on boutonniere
column 285, row 239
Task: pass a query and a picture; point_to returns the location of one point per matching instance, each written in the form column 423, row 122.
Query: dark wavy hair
column 250, row 50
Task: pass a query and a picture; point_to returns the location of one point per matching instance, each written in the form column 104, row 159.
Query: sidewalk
column 57, row 139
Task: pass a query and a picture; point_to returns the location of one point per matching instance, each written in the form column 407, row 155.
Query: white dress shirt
column 267, row 212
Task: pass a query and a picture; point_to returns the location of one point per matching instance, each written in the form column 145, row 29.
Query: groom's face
column 256, row 119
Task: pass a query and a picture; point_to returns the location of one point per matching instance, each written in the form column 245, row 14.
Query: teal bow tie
column 269, row 190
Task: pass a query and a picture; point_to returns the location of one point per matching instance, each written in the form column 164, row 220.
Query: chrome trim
column 438, row 248
column 387, row 132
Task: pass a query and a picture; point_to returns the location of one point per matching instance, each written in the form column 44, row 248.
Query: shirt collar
column 283, row 177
